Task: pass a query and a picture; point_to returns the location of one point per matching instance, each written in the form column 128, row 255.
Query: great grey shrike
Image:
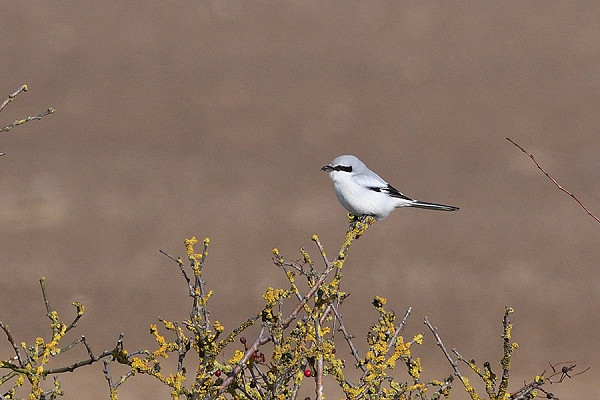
column 363, row 192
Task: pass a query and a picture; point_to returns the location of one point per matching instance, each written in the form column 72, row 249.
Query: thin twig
column 12, row 96
column 70, row 346
column 11, row 340
column 199, row 283
column 182, row 349
column 488, row 377
column 300, row 306
column 78, row 364
column 112, row 386
column 315, row 239
column 507, row 352
column 399, row 329
column 18, row 122
column 46, row 302
column 87, row 346
column 52, row 393
column 279, row 260
column 453, row 363
column 253, row 367
column 348, row 338
column 179, row 262
column 7, row 377
column 92, row 358
column 319, row 363
column 78, row 316
column 558, row 185
column 168, row 255
column 295, row 391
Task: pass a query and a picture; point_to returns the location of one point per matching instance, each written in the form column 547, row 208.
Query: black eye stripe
column 342, row 168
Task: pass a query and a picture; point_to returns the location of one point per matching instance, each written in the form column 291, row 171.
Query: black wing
column 392, row 191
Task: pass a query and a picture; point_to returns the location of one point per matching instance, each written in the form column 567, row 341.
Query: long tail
column 432, row 206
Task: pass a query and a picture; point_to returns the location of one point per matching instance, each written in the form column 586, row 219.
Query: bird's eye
column 343, row 168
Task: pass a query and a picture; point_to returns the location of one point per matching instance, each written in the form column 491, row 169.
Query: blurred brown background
column 213, row 118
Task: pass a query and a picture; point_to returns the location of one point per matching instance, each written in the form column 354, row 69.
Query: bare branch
column 13, row 344
column 179, row 262
column 558, row 185
column 12, row 96
column 319, row 363
column 74, row 366
column 18, row 122
column 438, row 340
column 348, row 338
column 78, row 316
column 92, row 358
column 399, row 329
column 46, row 302
column 112, row 385
column 315, row 239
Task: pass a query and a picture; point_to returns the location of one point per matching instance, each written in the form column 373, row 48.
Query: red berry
column 307, row 373
column 218, row 373
column 243, row 340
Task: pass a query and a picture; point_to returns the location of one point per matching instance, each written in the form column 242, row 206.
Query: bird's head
column 344, row 166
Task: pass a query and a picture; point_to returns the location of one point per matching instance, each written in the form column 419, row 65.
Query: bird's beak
column 327, row 168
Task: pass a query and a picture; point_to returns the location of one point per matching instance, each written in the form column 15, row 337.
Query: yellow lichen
column 218, row 327
column 237, row 357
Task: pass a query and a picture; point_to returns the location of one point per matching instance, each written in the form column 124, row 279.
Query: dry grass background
column 213, row 119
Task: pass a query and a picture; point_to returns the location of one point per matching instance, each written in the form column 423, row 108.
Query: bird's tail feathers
column 432, row 206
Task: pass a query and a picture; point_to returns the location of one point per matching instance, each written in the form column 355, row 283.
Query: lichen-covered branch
column 33, row 360
column 299, row 322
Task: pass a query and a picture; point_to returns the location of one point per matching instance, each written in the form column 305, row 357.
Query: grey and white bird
column 363, row 192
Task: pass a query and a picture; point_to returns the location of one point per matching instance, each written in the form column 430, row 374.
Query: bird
column 363, row 192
